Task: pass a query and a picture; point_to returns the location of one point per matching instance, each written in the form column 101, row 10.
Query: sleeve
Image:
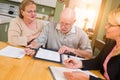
column 40, row 25
column 94, row 78
column 43, row 37
column 14, row 34
column 94, row 64
column 97, row 62
column 85, row 42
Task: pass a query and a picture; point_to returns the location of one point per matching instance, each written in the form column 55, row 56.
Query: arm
column 43, row 37
column 78, row 52
column 32, row 48
column 18, row 34
column 32, row 37
column 83, row 48
column 94, row 63
column 14, row 34
column 97, row 62
column 41, row 40
column 39, row 28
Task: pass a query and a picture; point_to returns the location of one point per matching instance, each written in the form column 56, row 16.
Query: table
column 26, row 68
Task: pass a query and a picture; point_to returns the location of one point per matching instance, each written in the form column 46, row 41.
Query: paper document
column 13, row 52
column 65, row 56
column 48, row 55
column 57, row 72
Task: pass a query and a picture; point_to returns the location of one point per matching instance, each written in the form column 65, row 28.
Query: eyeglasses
column 65, row 24
column 110, row 25
column 31, row 11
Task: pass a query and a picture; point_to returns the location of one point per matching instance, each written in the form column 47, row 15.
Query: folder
column 53, row 56
column 48, row 55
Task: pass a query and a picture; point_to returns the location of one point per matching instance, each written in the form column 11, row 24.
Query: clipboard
column 57, row 72
column 48, row 55
column 53, row 55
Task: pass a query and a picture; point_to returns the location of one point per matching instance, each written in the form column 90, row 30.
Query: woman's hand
column 76, row 75
column 33, row 36
column 72, row 63
column 31, row 49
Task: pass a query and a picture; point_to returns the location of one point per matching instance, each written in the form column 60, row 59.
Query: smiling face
column 67, row 19
column 113, row 25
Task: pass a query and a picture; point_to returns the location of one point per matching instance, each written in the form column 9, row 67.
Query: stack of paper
column 13, row 52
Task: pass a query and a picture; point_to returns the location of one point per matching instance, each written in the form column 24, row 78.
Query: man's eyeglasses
column 65, row 24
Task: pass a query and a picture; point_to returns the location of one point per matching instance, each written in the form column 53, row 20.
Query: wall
column 59, row 8
column 106, row 7
column 110, row 5
column 48, row 10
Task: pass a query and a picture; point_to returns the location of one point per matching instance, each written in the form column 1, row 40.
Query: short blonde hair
column 23, row 4
column 115, row 15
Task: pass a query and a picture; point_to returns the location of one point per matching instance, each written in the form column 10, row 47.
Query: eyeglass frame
column 110, row 25
column 65, row 24
column 31, row 11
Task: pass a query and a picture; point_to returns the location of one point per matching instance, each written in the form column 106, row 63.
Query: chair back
column 98, row 45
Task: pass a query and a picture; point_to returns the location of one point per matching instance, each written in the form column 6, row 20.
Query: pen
column 33, row 48
column 68, row 55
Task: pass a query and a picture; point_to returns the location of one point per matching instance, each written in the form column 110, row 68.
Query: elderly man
column 64, row 37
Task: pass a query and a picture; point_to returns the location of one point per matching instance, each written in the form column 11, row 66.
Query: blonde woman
column 26, row 27
column 108, row 61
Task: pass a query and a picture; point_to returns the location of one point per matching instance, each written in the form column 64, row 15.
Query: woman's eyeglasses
column 111, row 25
column 31, row 11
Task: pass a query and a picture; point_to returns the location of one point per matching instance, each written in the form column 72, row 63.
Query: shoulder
column 51, row 24
column 80, row 30
column 42, row 22
column 16, row 20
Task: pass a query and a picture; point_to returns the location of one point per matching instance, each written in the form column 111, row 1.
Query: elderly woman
column 26, row 27
column 108, row 61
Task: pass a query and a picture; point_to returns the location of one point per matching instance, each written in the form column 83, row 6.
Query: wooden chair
column 98, row 45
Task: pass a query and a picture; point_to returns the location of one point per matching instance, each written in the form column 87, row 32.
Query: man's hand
column 64, row 49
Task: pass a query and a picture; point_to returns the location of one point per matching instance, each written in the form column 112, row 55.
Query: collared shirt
column 54, row 38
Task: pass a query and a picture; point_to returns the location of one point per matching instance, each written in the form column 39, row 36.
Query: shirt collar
column 71, row 31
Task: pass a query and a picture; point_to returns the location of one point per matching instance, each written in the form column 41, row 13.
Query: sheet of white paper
column 48, row 55
column 64, row 57
column 77, row 58
column 13, row 52
column 57, row 72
